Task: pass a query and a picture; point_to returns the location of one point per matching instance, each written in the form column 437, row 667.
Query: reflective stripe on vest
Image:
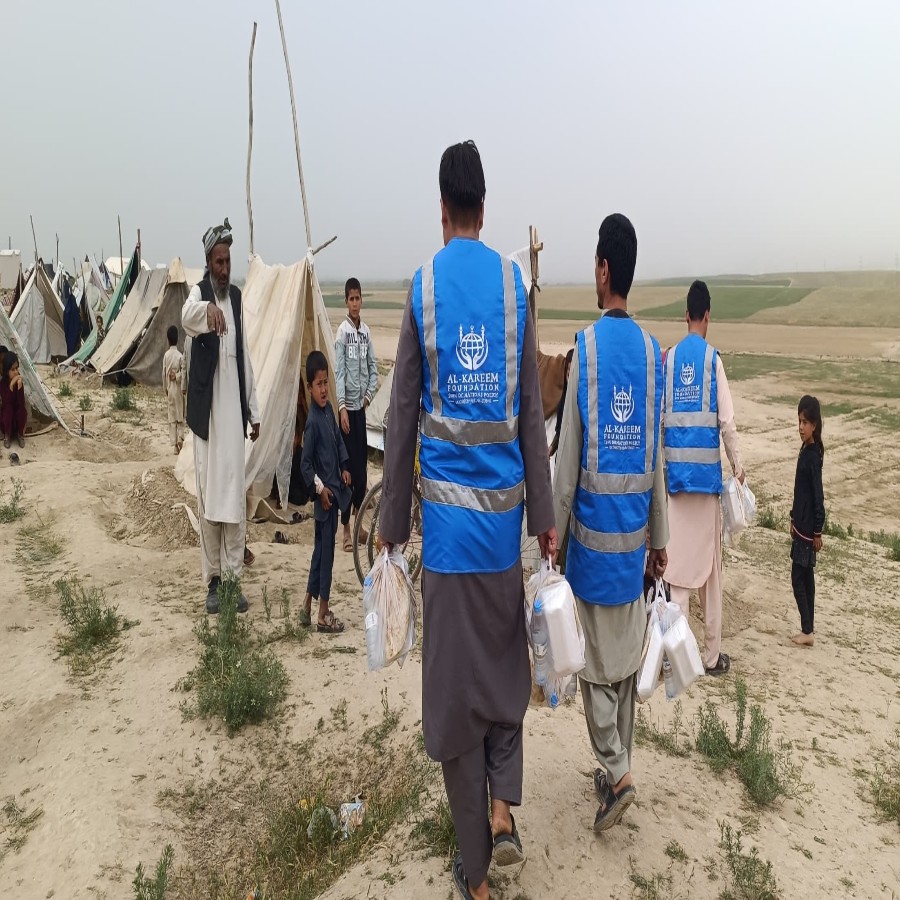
column 472, row 470
column 607, row 546
column 693, row 460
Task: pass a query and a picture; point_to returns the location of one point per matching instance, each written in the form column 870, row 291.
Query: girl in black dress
column 807, row 516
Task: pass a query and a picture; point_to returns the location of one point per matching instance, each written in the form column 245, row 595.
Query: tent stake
column 287, row 66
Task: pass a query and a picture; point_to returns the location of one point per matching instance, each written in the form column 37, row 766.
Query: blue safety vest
column 691, row 419
column 470, row 305
column 619, row 396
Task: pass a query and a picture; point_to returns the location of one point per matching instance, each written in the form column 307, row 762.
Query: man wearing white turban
column 221, row 405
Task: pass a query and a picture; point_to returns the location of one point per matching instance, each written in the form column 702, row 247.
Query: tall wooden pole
column 121, row 264
column 296, row 130
column 250, row 138
column 139, row 254
column 35, row 240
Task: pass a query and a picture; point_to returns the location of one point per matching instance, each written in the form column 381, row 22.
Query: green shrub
column 11, row 510
column 766, row 518
column 123, row 399
column 767, row 774
column 747, row 875
column 85, row 402
column 65, row 389
column 236, row 679
column 155, row 888
column 885, row 782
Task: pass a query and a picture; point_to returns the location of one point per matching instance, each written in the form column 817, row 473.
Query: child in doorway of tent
column 356, row 381
column 13, row 414
column 175, row 386
column 807, row 516
column 325, row 468
column 101, row 333
column 3, row 351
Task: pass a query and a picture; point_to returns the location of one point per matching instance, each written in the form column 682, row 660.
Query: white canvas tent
column 10, row 268
column 36, row 395
column 38, row 318
column 285, row 318
column 136, row 315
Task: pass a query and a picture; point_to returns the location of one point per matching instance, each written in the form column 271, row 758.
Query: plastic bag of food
column 738, row 509
column 389, row 610
column 683, row 655
column 564, row 634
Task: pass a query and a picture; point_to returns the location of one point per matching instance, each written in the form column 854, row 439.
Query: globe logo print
column 687, row 373
column 622, row 405
column 472, row 348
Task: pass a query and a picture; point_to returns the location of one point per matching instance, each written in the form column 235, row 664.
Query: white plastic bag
column 683, row 654
column 738, row 509
column 651, row 664
column 389, row 610
column 564, row 634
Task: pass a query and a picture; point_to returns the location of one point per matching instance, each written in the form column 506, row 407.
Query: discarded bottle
column 669, row 678
column 540, row 642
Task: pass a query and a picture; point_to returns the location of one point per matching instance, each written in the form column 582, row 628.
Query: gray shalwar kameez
column 476, row 678
column 614, row 635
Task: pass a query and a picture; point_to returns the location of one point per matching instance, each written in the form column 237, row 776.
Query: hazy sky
column 749, row 138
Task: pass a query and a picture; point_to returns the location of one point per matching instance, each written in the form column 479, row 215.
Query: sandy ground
column 95, row 752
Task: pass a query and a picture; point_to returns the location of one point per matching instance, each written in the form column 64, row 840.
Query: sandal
column 331, row 625
column 722, row 666
column 600, row 784
column 348, row 545
column 508, row 848
column 249, row 557
column 459, row 877
column 305, row 618
column 612, row 808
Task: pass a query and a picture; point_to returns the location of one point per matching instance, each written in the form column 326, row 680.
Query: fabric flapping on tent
column 376, row 411
column 38, row 317
column 10, row 268
column 36, row 395
column 124, row 285
column 136, row 313
column 285, row 319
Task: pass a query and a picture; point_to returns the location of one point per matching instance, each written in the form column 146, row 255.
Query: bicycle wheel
column 366, row 524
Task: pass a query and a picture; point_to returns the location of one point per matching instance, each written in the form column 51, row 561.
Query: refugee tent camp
column 136, row 341
column 40, row 402
column 38, row 318
column 285, row 318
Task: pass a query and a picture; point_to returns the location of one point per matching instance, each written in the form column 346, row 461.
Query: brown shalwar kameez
column 476, row 678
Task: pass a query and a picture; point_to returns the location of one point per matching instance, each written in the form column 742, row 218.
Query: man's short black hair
column 617, row 244
column 461, row 179
column 352, row 285
column 172, row 335
column 315, row 363
column 698, row 302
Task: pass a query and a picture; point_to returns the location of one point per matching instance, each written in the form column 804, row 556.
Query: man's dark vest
column 204, row 358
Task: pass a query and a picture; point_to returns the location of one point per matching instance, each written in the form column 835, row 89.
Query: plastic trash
column 352, row 815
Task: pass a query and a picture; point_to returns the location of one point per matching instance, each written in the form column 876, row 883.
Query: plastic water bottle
column 541, row 644
column 668, row 678
column 374, row 651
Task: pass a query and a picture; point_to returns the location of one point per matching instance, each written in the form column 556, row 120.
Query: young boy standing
column 356, row 380
column 325, row 467
column 175, row 386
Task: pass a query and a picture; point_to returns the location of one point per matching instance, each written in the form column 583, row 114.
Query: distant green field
column 734, row 302
column 336, row 301
column 731, row 280
column 866, row 378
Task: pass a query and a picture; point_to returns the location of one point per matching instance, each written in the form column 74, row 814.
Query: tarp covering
column 285, row 319
column 376, row 411
column 136, row 312
column 146, row 363
column 38, row 318
column 110, row 312
column 10, row 266
column 36, row 394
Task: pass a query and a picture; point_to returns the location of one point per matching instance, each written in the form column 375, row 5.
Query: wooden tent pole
column 121, row 264
column 250, row 138
column 35, row 240
column 287, row 65
column 330, row 240
column 139, row 255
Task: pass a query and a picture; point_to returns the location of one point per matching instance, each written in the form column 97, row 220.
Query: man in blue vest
column 610, row 485
column 698, row 411
column 466, row 359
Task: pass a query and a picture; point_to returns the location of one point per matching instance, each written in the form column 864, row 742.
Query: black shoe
column 612, row 807
column 600, row 784
column 212, row 598
column 242, row 604
column 508, row 848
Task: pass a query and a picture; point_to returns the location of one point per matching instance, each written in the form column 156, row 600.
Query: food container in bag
column 563, row 634
column 648, row 677
column 683, row 653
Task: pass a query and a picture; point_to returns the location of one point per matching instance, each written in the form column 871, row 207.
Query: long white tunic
column 220, row 460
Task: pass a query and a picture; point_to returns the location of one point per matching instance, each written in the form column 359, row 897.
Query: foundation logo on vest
column 622, row 405
column 472, row 349
column 471, row 385
column 687, row 373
